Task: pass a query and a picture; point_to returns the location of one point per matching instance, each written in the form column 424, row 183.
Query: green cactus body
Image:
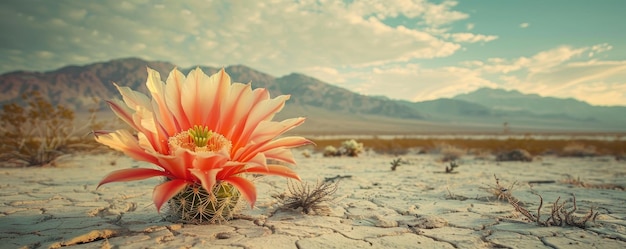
column 195, row 205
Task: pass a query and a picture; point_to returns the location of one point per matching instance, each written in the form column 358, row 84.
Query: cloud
column 409, row 81
column 278, row 37
column 560, row 72
column 471, row 38
column 524, row 25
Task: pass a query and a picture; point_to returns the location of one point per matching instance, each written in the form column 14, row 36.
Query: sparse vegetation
column 534, row 146
column 330, row 151
column 39, row 133
column 395, row 163
column 350, row 148
column 450, row 169
column 501, row 192
column 559, row 215
column 309, row 198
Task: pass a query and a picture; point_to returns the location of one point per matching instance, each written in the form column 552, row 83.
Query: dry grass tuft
column 499, row 191
column 559, row 214
column 311, row 199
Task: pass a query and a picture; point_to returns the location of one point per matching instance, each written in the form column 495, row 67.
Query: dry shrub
column 515, row 155
column 500, row 191
column 578, row 150
column 309, row 198
column 39, row 133
column 331, row 151
column 559, row 214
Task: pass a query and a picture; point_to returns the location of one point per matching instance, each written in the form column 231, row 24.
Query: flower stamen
column 200, row 135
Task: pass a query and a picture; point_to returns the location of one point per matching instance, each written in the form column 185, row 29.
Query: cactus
column 351, row 148
column 195, row 205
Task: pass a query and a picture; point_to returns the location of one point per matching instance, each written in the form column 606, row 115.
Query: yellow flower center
column 200, row 135
column 199, row 138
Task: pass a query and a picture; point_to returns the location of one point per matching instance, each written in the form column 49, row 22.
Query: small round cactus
column 351, row 148
column 330, row 151
column 195, row 205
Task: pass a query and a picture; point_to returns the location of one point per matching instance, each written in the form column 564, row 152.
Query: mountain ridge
column 78, row 86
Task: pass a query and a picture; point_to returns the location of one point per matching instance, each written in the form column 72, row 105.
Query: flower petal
column 124, row 175
column 268, row 130
column 280, row 154
column 247, row 189
column 194, row 103
column 207, row 178
column 165, row 191
column 272, row 169
column 264, row 110
column 133, row 98
column 173, row 88
column 123, row 112
column 217, row 90
column 235, row 110
column 123, row 141
column 248, row 152
column 159, row 105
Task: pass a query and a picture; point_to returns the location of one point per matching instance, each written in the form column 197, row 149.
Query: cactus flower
column 204, row 134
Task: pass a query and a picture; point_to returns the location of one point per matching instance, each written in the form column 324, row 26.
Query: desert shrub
column 36, row 134
column 311, row 199
column 515, row 155
column 330, row 151
column 578, row 150
column 351, row 148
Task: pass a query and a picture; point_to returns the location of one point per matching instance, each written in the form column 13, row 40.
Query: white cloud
column 470, row 26
column 278, row 37
column 471, row 38
column 561, row 72
column 524, row 25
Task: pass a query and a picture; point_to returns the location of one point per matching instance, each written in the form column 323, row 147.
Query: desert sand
column 416, row 206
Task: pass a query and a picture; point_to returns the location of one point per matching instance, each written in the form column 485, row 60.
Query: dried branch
column 310, row 199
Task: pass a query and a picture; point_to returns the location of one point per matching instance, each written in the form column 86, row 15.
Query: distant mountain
column 331, row 109
column 501, row 102
column 77, row 86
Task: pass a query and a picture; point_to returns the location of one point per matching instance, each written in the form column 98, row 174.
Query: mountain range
column 331, row 109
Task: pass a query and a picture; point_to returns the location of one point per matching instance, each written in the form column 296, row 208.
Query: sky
column 414, row 50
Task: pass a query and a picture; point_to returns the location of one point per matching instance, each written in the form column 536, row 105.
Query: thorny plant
column 39, row 133
column 453, row 165
column 395, row 163
column 501, row 192
column 309, row 198
column 559, row 215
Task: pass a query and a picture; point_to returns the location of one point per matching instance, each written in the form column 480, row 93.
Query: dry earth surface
column 416, row 206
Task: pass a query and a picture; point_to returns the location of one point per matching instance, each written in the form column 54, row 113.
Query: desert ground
column 416, row 206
